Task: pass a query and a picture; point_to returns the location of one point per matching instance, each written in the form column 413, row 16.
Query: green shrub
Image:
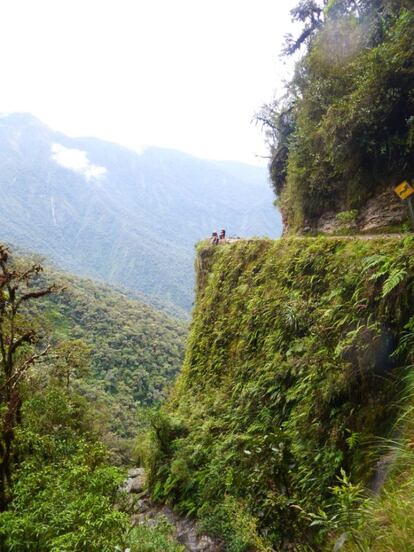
column 152, row 539
column 231, row 522
column 65, row 506
column 64, row 490
column 347, row 220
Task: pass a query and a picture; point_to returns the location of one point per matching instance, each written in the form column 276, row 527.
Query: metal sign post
column 411, row 209
column 406, row 192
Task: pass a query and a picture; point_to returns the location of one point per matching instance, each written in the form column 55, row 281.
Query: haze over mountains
column 127, row 218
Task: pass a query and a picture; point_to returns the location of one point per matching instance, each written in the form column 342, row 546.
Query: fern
column 375, row 260
column 290, row 316
column 394, row 279
column 384, row 265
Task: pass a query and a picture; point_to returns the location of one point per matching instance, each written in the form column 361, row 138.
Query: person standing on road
column 214, row 238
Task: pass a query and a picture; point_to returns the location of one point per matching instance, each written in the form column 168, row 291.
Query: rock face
column 146, row 512
column 385, row 209
column 328, row 224
column 136, row 482
column 382, row 470
column 187, row 532
column 382, row 211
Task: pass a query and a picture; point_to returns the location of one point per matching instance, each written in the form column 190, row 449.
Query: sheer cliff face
column 290, row 371
column 383, row 212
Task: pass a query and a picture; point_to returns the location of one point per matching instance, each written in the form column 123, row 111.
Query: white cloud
column 76, row 160
column 182, row 74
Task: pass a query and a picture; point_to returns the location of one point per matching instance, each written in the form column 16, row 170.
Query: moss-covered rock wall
column 295, row 367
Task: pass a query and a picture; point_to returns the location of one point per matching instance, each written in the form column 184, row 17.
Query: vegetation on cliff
column 296, row 369
column 344, row 131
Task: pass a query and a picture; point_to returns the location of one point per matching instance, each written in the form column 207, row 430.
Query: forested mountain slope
column 126, row 218
column 133, row 345
column 135, row 352
column 342, row 136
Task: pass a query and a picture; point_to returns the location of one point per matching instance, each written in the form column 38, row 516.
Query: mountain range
column 120, row 216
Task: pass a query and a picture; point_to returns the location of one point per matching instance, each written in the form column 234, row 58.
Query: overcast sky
column 183, row 74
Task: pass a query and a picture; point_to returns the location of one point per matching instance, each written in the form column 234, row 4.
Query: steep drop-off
column 296, row 369
column 129, row 219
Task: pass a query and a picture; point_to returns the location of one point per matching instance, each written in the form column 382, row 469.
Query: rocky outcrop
column 328, row 223
column 136, row 481
column 145, row 512
column 383, row 211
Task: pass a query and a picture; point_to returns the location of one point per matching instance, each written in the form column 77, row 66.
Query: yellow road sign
column 404, row 190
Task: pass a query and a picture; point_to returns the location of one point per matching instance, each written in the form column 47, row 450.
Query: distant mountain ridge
column 127, row 218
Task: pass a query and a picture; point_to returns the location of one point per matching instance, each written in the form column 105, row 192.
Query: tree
column 72, row 360
column 20, row 349
column 310, row 13
column 277, row 120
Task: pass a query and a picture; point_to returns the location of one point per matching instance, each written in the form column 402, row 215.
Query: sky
column 182, row 74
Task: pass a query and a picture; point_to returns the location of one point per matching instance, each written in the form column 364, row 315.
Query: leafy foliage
column 63, row 487
column 62, row 493
column 349, row 134
column 383, row 522
column 19, row 338
column 152, row 539
column 130, row 342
